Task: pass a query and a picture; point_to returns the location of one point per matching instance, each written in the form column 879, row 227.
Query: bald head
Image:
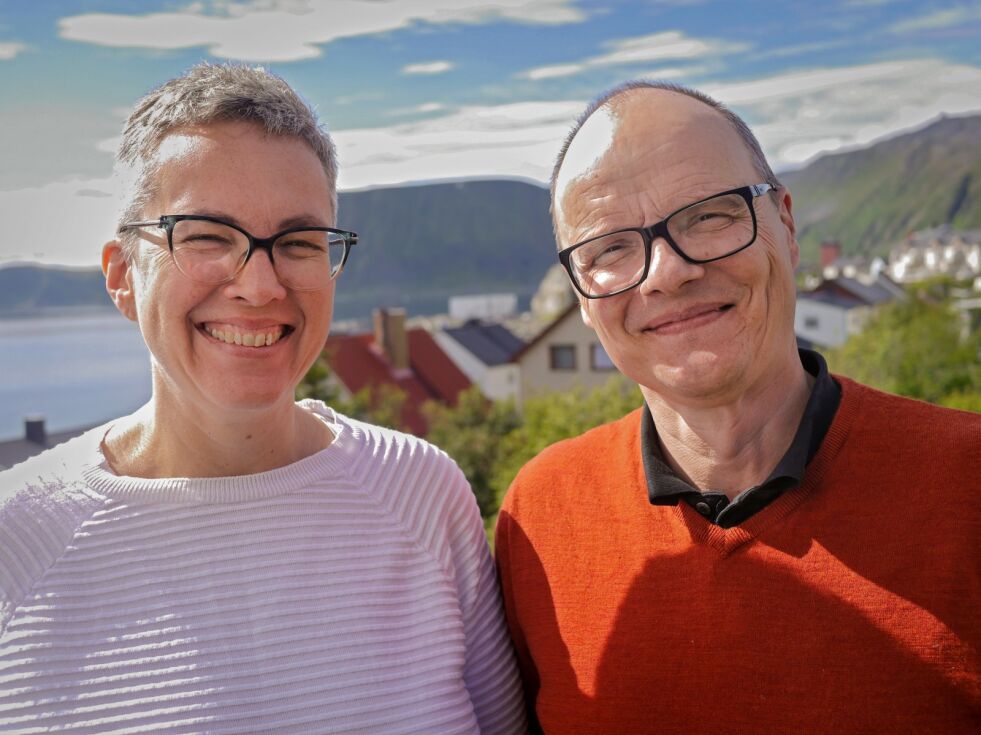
column 614, row 115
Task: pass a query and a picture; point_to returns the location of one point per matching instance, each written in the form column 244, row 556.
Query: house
column 939, row 251
column 35, row 440
column 566, row 353
column 483, row 351
column 838, row 308
column 408, row 359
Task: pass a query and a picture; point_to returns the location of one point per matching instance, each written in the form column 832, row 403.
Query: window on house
column 811, row 322
column 598, row 359
column 562, row 357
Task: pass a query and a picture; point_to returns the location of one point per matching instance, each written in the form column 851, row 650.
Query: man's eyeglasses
column 708, row 230
column 212, row 251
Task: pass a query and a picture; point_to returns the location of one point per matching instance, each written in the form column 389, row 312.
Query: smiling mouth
column 233, row 335
column 693, row 317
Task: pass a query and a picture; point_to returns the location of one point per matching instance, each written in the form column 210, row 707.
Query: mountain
column 421, row 244
column 869, row 199
column 418, row 245
column 26, row 290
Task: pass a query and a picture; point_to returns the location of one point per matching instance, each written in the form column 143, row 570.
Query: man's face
column 264, row 184
column 695, row 333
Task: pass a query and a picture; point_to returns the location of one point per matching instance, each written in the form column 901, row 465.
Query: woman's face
column 263, row 184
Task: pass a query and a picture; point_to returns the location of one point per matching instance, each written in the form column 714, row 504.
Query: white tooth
column 248, row 340
column 229, row 338
column 238, row 338
column 213, row 332
column 271, row 337
column 260, row 340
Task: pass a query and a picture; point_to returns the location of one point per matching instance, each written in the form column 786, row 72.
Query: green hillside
column 870, row 199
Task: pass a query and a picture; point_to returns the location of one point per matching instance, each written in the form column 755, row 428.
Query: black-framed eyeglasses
column 707, row 230
column 212, row 251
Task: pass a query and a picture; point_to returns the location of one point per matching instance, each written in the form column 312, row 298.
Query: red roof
column 432, row 376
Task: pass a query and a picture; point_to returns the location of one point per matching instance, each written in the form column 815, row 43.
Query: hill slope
column 869, row 199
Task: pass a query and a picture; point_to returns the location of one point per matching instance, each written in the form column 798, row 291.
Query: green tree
column 381, row 405
column 914, row 348
column 471, row 432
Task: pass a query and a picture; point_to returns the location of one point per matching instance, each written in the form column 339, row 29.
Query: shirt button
column 703, row 508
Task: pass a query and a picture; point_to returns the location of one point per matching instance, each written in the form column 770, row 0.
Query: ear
column 584, row 313
column 119, row 278
column 785, row 207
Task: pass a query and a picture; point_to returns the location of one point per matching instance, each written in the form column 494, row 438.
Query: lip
column 683, row 320
column 258, row 326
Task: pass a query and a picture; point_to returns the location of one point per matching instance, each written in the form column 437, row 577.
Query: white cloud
column 428, row 67
column 949, row 18
column 64, row 223
column 518, row 139
column 639, row 50
column 10, row 49
column 800, row 114
column 274, row 30
column 796, row 116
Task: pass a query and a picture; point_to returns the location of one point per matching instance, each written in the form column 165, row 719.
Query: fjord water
column 77, row 371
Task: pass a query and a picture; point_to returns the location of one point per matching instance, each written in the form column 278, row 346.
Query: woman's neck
column 167, row 440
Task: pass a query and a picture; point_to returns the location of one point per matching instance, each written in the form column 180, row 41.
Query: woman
column 224, row 559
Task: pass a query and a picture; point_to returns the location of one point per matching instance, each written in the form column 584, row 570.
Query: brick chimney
column 34, row 430
column 830, row 252
column 390, row 336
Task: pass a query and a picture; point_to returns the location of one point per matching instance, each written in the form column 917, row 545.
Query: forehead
column 640, row 158
column 236, row 163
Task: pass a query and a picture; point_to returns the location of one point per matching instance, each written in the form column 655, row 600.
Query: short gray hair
column 739, row 125
column 211, row 93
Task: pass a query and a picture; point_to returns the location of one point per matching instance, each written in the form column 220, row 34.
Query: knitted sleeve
column 41, row 508
column 489, row 670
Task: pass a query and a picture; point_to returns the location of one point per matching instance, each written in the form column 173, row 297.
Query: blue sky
column 418, row 90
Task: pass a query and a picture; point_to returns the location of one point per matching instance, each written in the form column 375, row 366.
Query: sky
column 422, row 90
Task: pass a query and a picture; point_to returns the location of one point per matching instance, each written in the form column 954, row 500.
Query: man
column 762, row 547
column 226, row 559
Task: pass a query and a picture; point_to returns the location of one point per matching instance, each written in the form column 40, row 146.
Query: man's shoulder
column 908, row 418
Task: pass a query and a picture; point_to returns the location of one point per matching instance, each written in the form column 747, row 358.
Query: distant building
column 483, row 306
column 35, row 440
column 409, row 359
column 939, row 251
column 566, row 353
column 483, row 351
column 838, row 308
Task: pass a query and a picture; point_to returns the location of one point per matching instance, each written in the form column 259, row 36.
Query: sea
column 75, row 370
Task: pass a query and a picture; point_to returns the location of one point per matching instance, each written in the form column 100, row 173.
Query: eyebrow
column 302, row 220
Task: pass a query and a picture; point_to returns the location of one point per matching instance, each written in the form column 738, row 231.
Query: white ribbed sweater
column 349, row 592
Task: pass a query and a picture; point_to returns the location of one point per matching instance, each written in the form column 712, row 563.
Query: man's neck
column 165, row 440
column 731, row 445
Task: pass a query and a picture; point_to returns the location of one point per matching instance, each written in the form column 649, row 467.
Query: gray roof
column 870, row 293
column 829, row 297
column 492, row 344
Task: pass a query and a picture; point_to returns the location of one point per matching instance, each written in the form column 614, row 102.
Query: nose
column 668, row 271
column 257, row 282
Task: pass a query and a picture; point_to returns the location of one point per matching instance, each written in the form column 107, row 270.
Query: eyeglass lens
column 707, row 230
column 211, row 252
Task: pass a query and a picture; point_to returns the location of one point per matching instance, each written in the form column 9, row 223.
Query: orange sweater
column 851, row 604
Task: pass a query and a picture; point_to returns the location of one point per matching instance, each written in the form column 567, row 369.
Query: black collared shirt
column 664, row 487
